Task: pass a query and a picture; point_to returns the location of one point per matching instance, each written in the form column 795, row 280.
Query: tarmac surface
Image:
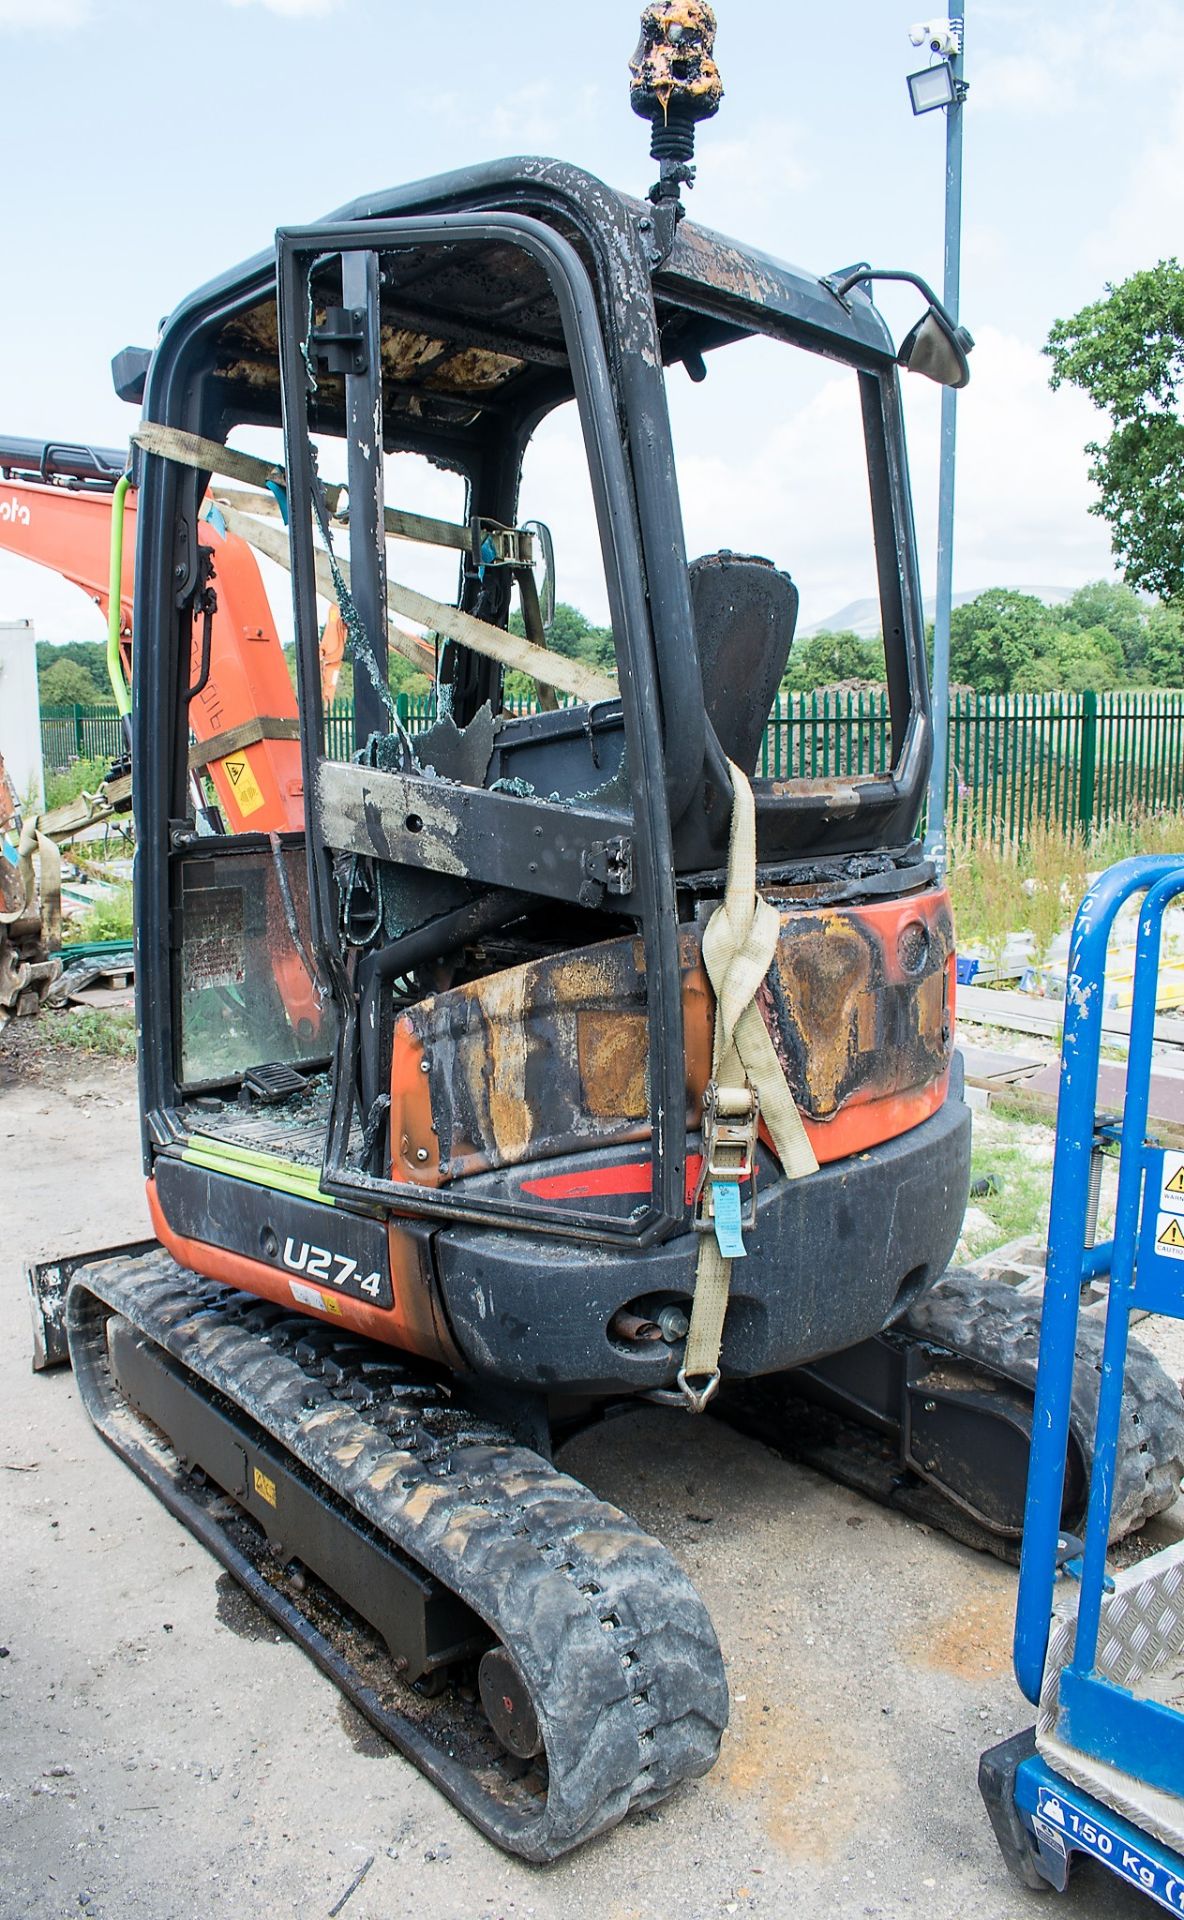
column 164, row 1754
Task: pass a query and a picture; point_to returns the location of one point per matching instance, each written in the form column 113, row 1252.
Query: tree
column 827, row 657
column 1116, row 608
column 1069, row 661
column 66, row 684
column 1126, row 351
column 1164, row 662
column 994, row 637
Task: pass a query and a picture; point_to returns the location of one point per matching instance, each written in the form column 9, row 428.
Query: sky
column 154, row 143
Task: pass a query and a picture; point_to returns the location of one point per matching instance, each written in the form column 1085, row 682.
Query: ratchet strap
column 748, row 1085
column 493, row 643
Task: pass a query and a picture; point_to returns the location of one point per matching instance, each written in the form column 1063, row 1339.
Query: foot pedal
column 267, row 1084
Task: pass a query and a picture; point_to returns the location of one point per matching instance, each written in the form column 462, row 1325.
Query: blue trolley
column 1100, row 1655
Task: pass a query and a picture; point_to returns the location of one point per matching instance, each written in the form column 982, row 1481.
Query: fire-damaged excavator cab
column 580, row 1048
column 503, row 915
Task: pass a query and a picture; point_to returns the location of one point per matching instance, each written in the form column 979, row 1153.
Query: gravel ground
column 164, row 1754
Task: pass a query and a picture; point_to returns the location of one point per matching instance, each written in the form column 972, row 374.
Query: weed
column 1054, row 868
column 1138, row 831
column 110, row 1031
column 110, row 918
column 64, row 784
column 1021, row 1167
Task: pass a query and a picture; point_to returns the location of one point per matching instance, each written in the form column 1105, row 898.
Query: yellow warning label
column 248, row 794
column 264, row 1487
column 1170, row 1236
column 1176, row 1183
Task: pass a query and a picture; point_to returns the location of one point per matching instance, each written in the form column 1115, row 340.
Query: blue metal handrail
column 1070, row 1262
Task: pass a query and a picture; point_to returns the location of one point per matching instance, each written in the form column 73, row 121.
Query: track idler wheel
column 508, row 1706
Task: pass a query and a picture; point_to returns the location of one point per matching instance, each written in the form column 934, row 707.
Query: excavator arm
column 56, row 507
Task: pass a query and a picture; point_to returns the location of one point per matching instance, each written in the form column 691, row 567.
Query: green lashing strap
column 748, row 1084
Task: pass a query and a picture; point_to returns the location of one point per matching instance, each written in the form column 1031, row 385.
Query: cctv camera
column 943, row 36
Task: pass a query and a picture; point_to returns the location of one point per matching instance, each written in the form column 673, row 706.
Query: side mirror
column 129, row 371
column 937, row 346
column 546, row 586
column 937, row 349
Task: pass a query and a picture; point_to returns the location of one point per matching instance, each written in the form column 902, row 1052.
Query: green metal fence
column 1069, row 759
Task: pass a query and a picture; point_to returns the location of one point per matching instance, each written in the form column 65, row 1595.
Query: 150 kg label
column 1151, row 1876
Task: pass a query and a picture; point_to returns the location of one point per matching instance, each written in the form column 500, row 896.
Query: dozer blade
column 568, row 1670
column 934, row 1417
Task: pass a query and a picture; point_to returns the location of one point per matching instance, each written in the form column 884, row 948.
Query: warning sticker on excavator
column 1169, row 1236
column 313, row 1297
column 248, row 794
column 264, row 1486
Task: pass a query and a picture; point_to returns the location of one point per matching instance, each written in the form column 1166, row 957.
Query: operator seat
column 745, row 612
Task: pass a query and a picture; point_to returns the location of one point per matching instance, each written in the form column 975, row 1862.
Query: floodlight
column 933, row 87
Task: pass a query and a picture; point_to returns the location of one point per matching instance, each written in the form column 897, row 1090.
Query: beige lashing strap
column 494, row 643
column 748, row 1085
column 234, row 739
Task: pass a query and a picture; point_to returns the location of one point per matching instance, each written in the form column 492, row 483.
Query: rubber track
column 986, row 1320
column 616, row 1647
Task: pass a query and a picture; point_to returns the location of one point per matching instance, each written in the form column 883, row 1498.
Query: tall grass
column 64, row 784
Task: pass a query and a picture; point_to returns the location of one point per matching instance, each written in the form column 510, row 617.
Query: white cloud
column 45, row 16
column 291, row 9
column 1147, row 221
column 1023, row 83
column 1023, row 495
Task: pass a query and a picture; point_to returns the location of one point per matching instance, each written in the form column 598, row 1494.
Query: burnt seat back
column 745, row 612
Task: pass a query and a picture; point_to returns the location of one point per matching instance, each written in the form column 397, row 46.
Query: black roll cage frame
column 618, row 378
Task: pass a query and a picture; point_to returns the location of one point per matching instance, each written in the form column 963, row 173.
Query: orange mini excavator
column 634, row 1076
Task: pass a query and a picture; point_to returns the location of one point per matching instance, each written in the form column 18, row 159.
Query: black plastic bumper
column 831, row 1260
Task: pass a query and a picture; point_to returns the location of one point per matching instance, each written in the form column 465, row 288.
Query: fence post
column 77, row 731
column 1087, row 777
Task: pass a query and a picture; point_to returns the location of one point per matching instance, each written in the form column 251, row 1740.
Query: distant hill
column 863, row 616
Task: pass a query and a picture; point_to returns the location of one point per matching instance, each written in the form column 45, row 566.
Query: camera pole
column 935, row 831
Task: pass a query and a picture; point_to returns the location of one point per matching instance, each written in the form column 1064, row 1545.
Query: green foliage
column 1020, row 1165
column 110, row 1031
column 826, row 658
column 110, row 918
column 1163, row 661
column 1126, row 351
column 573, row 635
column 994, row 637
column 89, row 654
column 66, row 684
column 1072, row 662
column 64, row 784
column 1116, row 608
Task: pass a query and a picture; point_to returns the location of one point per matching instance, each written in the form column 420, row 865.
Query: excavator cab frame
column 644, row 852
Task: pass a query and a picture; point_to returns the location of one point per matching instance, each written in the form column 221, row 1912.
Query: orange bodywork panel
column 259, row 786
column 413, row 1322
column 550, row 1058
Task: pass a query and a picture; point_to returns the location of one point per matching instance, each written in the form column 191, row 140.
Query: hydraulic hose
column 119, row 685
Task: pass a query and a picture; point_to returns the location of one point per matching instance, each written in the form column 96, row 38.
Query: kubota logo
column 14, row 510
